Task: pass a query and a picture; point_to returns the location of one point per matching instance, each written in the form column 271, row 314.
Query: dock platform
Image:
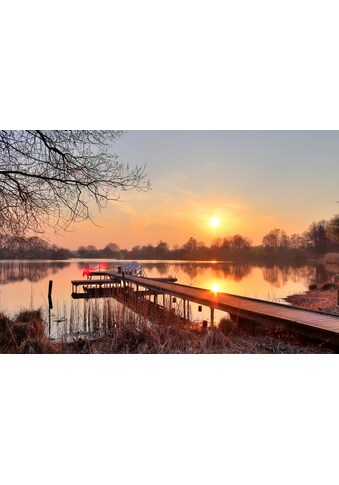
column 310, row 323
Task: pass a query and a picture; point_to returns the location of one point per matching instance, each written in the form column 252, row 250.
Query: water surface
column 24, row 284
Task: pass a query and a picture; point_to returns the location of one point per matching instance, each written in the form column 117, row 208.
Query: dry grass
column 163, row 339
column 119, row 330
column 167, row 334
column 25, row 335
column 315, row 299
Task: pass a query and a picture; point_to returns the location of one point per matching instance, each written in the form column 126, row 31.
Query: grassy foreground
column 125, row 333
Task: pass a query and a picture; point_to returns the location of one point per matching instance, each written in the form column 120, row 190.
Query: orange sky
column 252, row 181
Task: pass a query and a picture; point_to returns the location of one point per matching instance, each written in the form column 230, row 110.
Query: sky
column 251, row 181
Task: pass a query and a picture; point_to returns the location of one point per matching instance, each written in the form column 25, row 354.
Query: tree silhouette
column 51, row 177
column 333, row 229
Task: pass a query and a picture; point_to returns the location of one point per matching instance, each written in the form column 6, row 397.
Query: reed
column 25, row 334
column 105, row 326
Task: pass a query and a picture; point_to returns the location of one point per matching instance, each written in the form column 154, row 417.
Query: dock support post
column 212, row 316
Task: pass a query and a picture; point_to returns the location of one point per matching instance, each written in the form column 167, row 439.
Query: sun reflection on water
column 215, row 288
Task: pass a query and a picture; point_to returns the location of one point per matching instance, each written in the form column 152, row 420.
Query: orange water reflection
column 25, row 283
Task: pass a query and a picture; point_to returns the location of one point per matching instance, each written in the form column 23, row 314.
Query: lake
column 24, row 284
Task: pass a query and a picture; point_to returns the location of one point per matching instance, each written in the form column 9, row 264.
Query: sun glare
column 215, row 288
column 214, row 221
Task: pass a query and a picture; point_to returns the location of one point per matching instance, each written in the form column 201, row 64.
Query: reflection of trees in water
column 12, row 271
column 236, row 271
column 321, row 275
column 273, row 275
column 162, row 268
column 166, row 269
column 279, row 275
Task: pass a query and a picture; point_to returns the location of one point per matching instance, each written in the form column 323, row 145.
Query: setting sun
column 214, row 221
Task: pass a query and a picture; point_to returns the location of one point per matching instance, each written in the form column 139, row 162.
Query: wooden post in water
column 212, row 316
column 50, row 305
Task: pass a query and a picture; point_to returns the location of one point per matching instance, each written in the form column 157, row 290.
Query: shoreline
column 319, row 300
column 25, row 333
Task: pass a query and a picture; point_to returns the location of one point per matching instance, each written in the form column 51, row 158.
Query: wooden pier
column 310, row 323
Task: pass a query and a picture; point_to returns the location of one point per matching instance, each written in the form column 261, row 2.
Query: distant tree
column 226, row 243
column 216, row 243
column 276, row 241
column 112, row 247
column 332, row 230
column 81, row 252
column 296, row 241
column 111, row 250
column 148, row 251
column 239, row 242
column 271, row 240
column 191, row 245
column 162, row 249
column 50, row 177
column 189, row 248
column 91, row 251
column 14, row 247
column 284, row 240
column 316, row 237
column 136, row 251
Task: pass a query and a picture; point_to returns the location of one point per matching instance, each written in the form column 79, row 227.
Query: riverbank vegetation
column 121, row 332
column 19, row 247
column 323, row 299
column 317, row 240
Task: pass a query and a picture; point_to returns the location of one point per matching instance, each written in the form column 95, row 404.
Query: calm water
column 24, row 284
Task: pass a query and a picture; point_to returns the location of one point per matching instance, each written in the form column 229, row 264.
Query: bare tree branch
column 50, row 177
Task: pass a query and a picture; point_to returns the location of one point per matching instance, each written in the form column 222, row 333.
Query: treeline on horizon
column 276, row 244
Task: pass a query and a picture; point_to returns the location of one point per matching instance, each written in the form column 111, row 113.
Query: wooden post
column 212, row 316
column 50, row 305
column 124, row 283
column 188, row 310
column 184, row 309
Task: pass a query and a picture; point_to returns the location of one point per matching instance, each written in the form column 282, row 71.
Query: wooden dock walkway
column 306, row 322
